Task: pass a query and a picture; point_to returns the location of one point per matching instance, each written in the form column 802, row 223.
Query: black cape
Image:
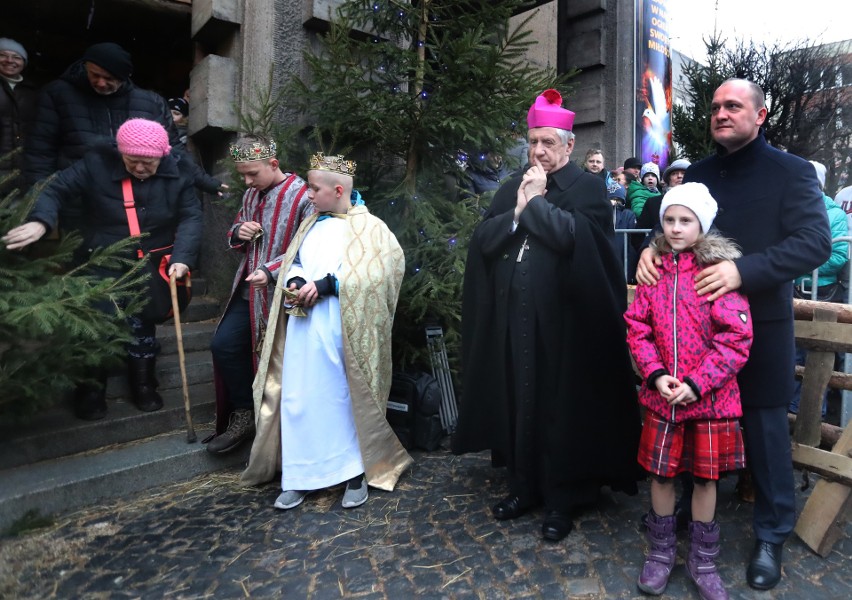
column 584, row 410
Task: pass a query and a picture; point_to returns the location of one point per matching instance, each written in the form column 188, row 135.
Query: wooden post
column 826, row 512
column 804, row 309
column 818, row 369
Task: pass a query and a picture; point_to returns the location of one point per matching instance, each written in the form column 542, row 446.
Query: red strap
column 130, row 209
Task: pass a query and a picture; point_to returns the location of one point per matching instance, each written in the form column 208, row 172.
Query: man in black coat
column 548, row 386
column 771, row 205
column 85, row 107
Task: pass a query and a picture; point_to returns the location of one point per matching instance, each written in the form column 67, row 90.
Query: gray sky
column 761, row 20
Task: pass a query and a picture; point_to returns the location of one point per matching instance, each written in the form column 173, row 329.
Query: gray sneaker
column 240, row 429
column 355, row 496
column 289, row 499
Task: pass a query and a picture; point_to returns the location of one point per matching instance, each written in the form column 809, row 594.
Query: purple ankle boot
column 660, row 559
column 703, row 551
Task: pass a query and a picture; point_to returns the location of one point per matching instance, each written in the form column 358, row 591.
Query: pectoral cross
column 524, row 248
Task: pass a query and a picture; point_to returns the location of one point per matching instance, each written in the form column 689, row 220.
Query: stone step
column 201, row 308
column 56, row 432
column 65, row 484
column 199, row 369
column 199, row 285
column 196, row 336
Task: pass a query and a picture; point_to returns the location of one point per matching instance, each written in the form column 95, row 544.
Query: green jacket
column 829, row 271
column 637, row 196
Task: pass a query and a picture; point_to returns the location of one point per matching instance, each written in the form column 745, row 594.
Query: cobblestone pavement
column 431, row 538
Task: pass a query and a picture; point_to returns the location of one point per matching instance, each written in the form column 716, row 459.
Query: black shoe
column 764, row 569
column 556, row 526
column 240, row 429
column 508, row 508
column 90, row 402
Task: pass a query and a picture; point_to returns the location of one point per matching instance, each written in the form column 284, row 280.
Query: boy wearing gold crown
column 274, row 205
column 325, row 369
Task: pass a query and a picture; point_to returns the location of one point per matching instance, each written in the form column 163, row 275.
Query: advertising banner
column 653, row 83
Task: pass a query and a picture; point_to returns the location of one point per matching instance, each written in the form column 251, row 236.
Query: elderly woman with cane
column 131, row 187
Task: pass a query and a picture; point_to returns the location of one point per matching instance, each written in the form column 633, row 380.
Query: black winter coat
column 770, row 204
column 17, row 114
column 72, row 119
column 166, row 204
column 564, row 299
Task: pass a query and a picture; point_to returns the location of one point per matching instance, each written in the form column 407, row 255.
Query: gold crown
column 335, row 164
column 253, row 151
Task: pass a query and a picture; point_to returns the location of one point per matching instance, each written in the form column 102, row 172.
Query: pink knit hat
column 547, row 111
column 141, row 137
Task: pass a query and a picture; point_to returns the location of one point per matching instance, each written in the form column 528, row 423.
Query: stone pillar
column 213, row 80
column 597, row 37
column 258, row 49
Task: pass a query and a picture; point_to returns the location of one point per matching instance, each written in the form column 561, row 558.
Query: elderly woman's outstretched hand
column 24, row 235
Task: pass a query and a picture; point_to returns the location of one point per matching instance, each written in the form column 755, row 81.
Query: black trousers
column 232, row 353
column 766, row 384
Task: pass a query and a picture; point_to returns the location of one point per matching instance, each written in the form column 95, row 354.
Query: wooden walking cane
column 190, row 430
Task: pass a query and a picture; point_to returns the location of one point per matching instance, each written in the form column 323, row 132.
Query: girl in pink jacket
column 688, row 352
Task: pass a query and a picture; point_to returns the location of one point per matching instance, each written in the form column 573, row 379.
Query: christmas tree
column 51, row 333
column 413, row 88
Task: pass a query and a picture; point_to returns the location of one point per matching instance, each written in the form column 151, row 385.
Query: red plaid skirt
column 705, row 447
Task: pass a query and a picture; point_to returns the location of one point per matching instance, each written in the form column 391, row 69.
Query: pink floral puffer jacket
column 672, row 330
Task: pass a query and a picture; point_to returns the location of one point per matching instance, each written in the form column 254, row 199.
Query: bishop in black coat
column 548, row 385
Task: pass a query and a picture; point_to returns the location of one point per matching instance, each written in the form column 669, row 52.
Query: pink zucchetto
column 547, row 111
column 141, row 137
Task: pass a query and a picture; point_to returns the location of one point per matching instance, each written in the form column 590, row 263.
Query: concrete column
column 597, row 37
column 258, row 48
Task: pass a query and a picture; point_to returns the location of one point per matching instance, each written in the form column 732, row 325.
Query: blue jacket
column 770, row 204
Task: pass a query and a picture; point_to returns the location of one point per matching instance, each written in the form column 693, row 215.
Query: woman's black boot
column 143, row 384
column 90, row 399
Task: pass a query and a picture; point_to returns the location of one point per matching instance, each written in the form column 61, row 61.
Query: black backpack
column 413, row 405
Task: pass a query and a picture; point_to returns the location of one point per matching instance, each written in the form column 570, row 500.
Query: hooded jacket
column 672, row 330
column 637, row 196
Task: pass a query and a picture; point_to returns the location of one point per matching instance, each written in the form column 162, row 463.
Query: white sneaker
column 289, row 499
column 355, row 496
